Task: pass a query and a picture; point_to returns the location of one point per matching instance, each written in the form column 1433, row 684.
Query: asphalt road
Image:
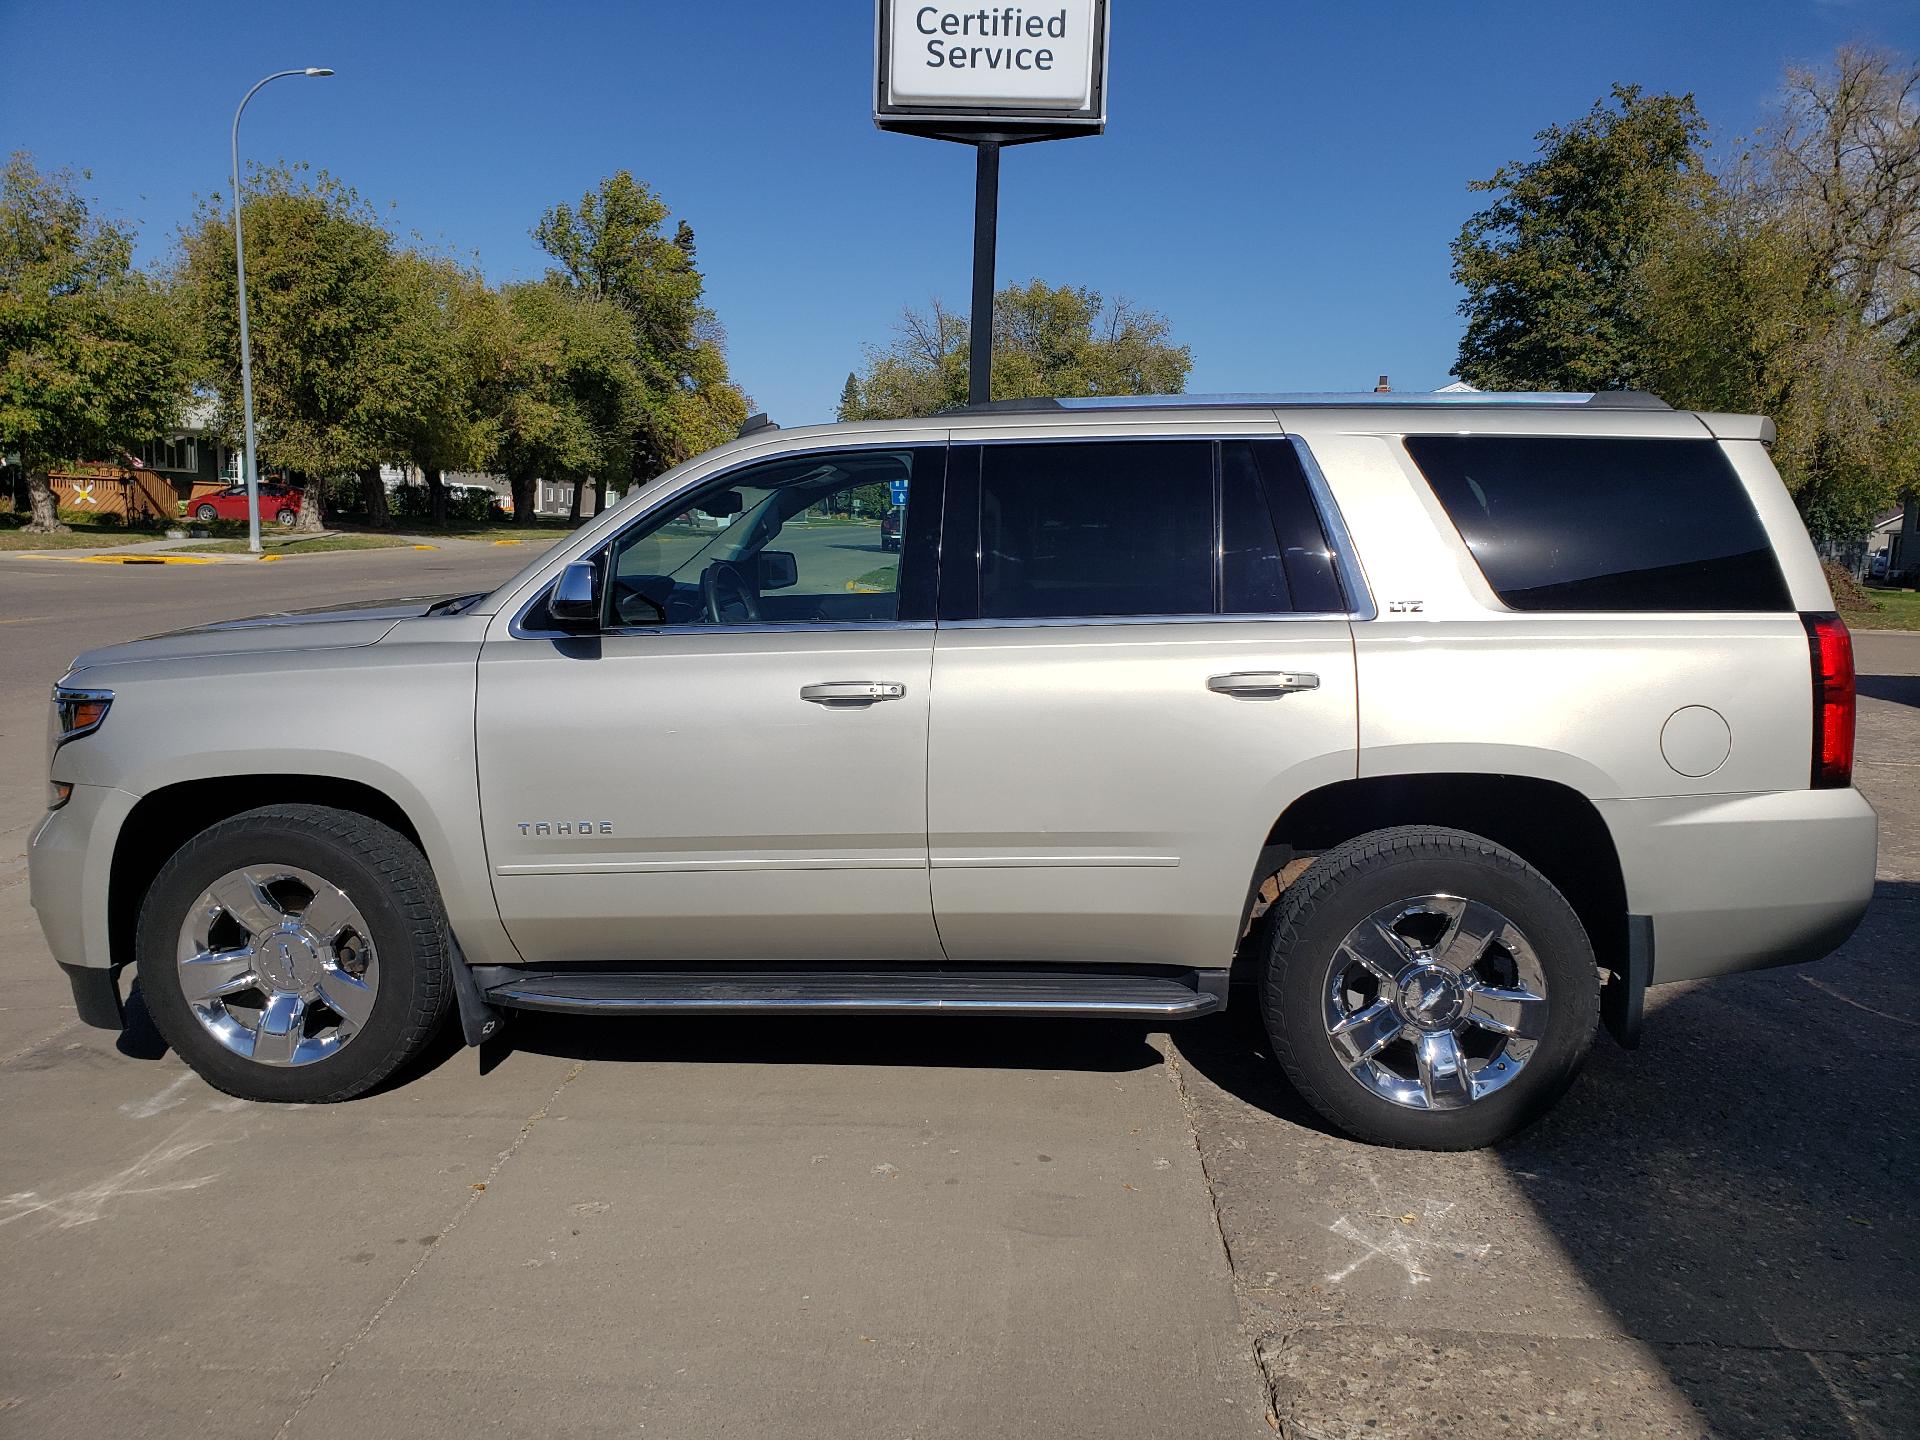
column 805, row 1229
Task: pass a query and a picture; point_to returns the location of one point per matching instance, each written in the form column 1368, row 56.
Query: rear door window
column 1599, row 523
column 1274, row 556
column 1135, row 528
column 1099, row 528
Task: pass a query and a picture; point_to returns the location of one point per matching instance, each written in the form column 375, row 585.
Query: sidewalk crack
column 453, row 1223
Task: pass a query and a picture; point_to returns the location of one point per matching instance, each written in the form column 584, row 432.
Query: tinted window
column 1274, row 556
column 1096, row 528
column 1604, row 524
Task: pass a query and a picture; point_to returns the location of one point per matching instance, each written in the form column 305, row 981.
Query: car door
column 734, row 769
column 1150, row 660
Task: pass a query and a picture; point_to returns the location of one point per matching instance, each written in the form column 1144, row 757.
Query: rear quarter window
column 1566, row 523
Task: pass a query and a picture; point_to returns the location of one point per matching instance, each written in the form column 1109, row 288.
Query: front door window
column 810, row 539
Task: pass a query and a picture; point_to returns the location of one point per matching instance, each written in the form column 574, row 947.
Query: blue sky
column 1280, row 180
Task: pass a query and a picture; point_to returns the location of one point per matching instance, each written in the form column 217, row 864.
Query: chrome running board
column 1086, row 994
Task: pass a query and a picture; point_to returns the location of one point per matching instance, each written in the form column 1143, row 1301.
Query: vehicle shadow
column 941, row 1042
column 1740, row 1192
column 1899, row 689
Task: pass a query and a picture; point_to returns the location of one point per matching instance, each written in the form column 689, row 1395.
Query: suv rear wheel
column 295, row 953
column 1429, row 989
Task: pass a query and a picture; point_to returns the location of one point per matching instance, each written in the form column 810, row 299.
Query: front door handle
column 1262, row 684
column 852, row 692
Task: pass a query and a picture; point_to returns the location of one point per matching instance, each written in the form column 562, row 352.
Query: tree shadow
column 1740, row 1191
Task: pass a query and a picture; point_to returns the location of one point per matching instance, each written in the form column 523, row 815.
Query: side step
column 868, row 992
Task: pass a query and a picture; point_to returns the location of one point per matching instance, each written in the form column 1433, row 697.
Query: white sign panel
column 1034, row 58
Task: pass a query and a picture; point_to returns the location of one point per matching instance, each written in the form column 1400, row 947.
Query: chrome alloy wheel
column 1435, row 1002
column 278, row 964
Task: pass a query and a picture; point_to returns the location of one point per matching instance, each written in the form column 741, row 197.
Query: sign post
column 989, row 77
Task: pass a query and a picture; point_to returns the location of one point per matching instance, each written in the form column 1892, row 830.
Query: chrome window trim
column 1038, row 622
column 763, row 627
column 1346, row 561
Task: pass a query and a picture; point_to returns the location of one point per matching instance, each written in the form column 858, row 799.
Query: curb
column 148, row 559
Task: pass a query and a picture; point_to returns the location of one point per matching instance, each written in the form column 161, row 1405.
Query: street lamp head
column 318, row 70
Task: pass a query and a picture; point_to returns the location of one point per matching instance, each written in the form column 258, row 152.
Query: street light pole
column 246, row 349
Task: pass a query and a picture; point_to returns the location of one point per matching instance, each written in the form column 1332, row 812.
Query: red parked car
column 280, row 503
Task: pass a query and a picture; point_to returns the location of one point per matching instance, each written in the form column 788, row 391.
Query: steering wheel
column 716, row 581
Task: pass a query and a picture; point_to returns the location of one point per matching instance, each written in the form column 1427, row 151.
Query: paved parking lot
column 911, row 1229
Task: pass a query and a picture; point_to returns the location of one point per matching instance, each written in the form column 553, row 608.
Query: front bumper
column 1740, row 882
column 69, row 867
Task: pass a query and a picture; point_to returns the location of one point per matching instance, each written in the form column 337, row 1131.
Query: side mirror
column 575, row 602
column 778, row 570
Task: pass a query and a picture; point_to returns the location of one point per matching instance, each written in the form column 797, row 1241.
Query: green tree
column 458, row 328
column 1791, row 287
column 1550, row 266
column 341, row 373
column 614, row 247
column 566, row 401
column 90, row 355
column 1048, row 340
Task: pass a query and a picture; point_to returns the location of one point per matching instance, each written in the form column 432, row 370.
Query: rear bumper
column 1740, row 882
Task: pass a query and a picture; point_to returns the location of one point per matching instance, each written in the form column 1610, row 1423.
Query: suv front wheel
column 295, row 953
column 1427, row 988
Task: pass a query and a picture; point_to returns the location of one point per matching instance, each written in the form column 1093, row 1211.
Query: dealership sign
column 947, row 68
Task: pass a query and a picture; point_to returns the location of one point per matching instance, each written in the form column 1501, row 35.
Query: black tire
column 285, row 517
column 206, row 512
column 384, row 875
column 1351, row 882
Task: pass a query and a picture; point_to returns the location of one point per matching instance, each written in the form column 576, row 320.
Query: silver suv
column 1447, row 724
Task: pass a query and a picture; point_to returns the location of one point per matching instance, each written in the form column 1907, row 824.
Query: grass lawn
column 289, row 544
column 1898, row 610
column 88, row 533
column 89, row 539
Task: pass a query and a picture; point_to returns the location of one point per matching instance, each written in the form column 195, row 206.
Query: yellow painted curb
column 265, row 558
column 139, row 559
column 506, row 542
column 426, row 547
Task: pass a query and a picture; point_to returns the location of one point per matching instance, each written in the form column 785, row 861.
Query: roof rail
column 1369, row 399
column 755, row 424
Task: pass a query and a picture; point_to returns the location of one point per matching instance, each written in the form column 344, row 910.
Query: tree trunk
column 437, row 499
column 373, row 492
column 46, row 507
column 313, row 505
column 522, row 500
column 579, row 492
column 599, row 495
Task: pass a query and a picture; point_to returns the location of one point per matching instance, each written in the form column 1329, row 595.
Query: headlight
column 78, row 712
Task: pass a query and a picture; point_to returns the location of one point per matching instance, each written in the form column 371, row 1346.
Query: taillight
column 1831, row 648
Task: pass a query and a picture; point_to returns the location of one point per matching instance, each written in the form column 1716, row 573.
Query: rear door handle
column 1262, row 684
column 851, row 692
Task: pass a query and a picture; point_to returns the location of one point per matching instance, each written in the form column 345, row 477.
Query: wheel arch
column 166, row 818
column 1552, row 826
